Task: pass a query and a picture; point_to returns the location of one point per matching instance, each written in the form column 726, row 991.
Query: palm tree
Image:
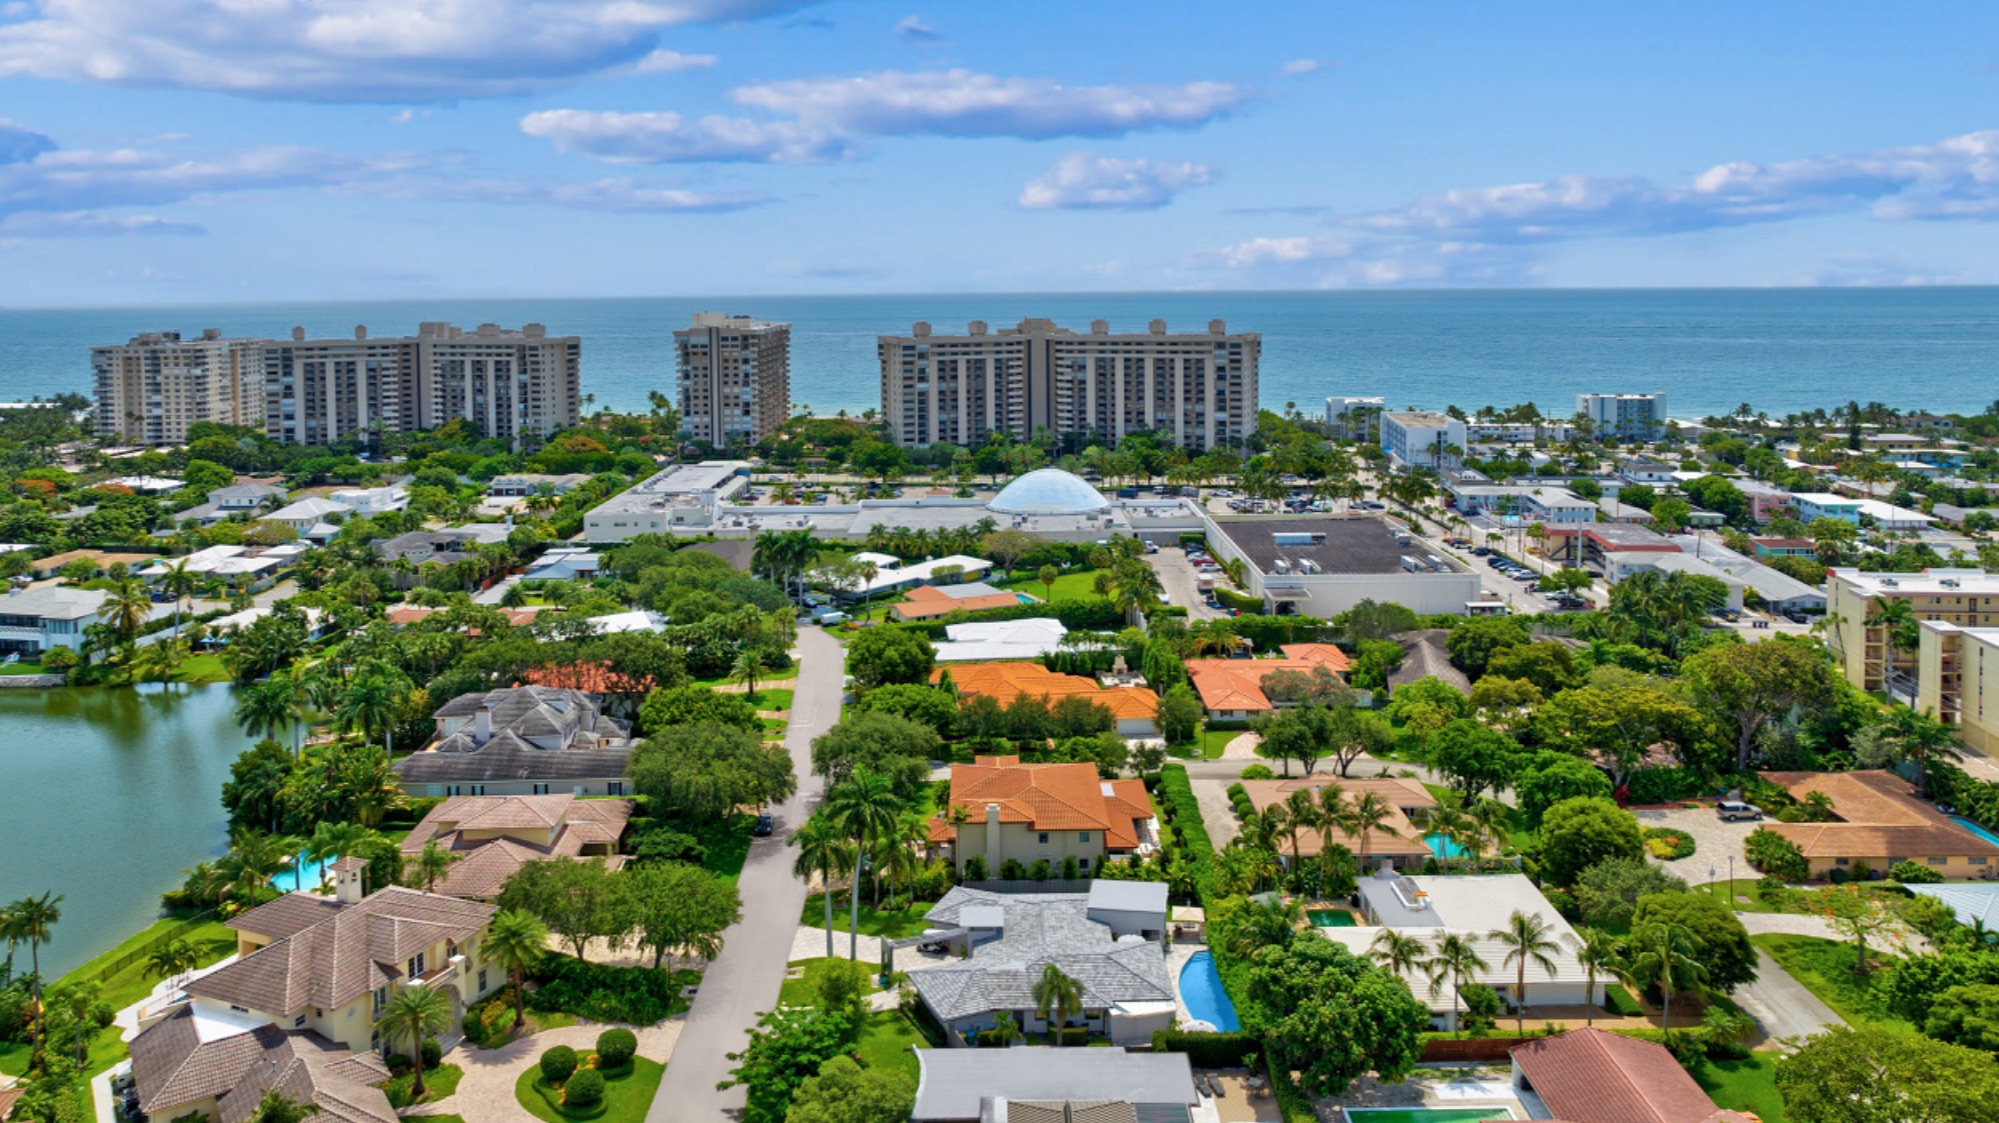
column 34, row 920
column 750, row 662
column 823, row 850
column 332, row 840
column 419, row 1012
column 1525, row 939
column 1299, row 812
column 429, row 864
column 1262, row 923
column 369, row 704
column 1901, row 630
column 1048, row 575
column 1663, row 956
column 9, row 931
column 1456, row 956
column 173, row 959
column 1597, row 952
column 159, row 660
column 866, row 807
column 1397, row 952
column 254, row 858
column 1493, row 821
column 1923, row 738
column 127, row 608
column 1369, row 813
column 1058, row 995
column 516, row 940
column 1449, row 821
column 178, row 582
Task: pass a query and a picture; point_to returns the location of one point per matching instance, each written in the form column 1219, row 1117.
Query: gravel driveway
column 486, row 1092
column 1714, row 842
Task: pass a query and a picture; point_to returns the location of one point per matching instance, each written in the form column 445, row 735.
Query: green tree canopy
column 685, row 705
column 889, row 654
column 889, row 744
column 1578, row 833
column 1880, row 1075
column 702, row 772
column 1721, row 943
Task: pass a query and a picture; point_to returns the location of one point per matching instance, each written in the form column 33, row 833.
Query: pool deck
column 1177, row 955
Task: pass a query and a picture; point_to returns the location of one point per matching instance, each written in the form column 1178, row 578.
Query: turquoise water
column 1426, row 1114
column 1974, row 828
column 303, row 873
column 1444, row 848
column 1330, row 918
column 1201, row 989
column 1024, row 598
column 1782, row 349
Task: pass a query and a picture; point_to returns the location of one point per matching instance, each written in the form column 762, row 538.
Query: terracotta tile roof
column 351, row 950
column 590, row 678
column 7, row 1098
column 1327, row 654
column 1007, row 681
column 1880, row 817
column 1048, row 797
column 403, row 615
column 1398, row 836
column 1875, row 797
column 1237, row 684
column 923, row 608
column 1591, row 1076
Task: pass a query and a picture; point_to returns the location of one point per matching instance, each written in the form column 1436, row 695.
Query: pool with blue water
column 1201, row 991
column 1443, row 847
column 303, row 873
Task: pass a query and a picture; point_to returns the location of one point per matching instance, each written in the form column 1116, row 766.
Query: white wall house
column 34, row 620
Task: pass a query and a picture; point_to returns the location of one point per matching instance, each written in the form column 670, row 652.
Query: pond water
column 110, row 793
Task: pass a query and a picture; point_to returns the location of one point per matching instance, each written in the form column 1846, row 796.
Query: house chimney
column 482, row 725
column 347, row 887
column 994, row 857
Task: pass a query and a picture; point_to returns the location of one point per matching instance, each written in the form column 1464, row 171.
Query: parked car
column 765, row 826
column 1731, row 810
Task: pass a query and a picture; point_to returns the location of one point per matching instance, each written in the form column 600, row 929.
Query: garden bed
column 627, row 1097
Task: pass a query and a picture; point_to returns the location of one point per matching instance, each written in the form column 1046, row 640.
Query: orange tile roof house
column 1881, row 823
column 1232, row 689
column 1135, row 707
column 1399, row 842
column 495, row 835
column 1591, row 1076
column 1027, row 812
column 926, row 602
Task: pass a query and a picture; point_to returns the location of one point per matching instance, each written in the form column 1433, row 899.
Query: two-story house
column 1001, row 810
column 35, row 620
column 298, row 1008
column 523, row 740
column 495, row 835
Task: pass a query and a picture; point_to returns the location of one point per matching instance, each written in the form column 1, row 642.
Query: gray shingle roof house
column 1113, row 952
column 968, row 1086
column 190, row 1061
column 523, row 740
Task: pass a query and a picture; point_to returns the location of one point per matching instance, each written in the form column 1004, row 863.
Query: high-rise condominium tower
column 735, row 378
column 151, row 389
column 514, row 385
column 1198, row 390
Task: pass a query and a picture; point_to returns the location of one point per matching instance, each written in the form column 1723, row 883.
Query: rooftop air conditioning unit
column 1282, row 565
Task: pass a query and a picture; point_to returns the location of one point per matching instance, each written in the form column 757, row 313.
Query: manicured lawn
column 1213, row 741
column 1826, row 969
column 728, row 844
column 625, row 1099
column 21, row 669
column 892, row 923
column 805, row 991
column 438, row 1083
column 784, row 675
column 1073, row 585
column 768, row 699
column 1747, row 1086
column 1743, row 890
column 887, row 1041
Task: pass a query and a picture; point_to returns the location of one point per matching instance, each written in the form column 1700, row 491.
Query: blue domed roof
column 1048, row 491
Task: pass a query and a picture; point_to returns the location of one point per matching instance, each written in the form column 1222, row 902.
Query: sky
column 204, row 151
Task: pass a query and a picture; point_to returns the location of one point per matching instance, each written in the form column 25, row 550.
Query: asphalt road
column 743, row 981
column 1781, row 1004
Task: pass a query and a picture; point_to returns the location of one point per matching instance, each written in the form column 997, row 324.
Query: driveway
column 744, row 979
column 1780, row 1003
column 1714, row 842
column 1177, row 578
column 486, row 1091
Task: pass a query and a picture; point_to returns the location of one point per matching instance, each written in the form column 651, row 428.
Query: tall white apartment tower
column 519, row 386
column 1196, row 389
column 1639, row 417
column 150, row 390
column 734, row 377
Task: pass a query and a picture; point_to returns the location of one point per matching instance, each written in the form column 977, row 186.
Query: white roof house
column 1002, row 639
column 640, row 621
column 223, row 561
column 888, row 578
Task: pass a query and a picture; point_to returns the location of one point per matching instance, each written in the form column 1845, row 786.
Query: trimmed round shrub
column 585, row 1089
column 1258, row 772
column 433, row 1054
column 616, row 1047
column 1914, row 873
column 557, row 1064
column 398, row 1064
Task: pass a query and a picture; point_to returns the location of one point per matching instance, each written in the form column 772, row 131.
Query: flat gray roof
column 1351, row 545
column 953, row 1081
column 1129, row 896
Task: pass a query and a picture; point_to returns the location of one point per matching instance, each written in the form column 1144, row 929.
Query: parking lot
column 1177, row 577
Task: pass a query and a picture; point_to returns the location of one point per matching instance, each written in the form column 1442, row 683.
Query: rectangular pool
column 1330, row 918
column 1427, row 1114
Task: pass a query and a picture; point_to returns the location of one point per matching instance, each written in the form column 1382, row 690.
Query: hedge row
column 1184, row 812
column 1240, row 802
column 1089, row 614
column 1207, row 1050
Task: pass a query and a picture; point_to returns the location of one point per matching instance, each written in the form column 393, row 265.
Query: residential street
column 743, row 981
column 1781, row 1004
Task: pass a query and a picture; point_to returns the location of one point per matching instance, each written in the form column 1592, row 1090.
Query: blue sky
column 187, row 151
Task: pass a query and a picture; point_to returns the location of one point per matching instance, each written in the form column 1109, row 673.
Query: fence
column 139, row 954
column 1052, row 885
column 1478, row 1049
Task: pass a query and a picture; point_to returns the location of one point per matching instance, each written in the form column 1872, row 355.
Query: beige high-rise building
column 1963, row 598
column 1954, row 665
column 734, row 378
column 1198, row 390
column 150, row 390
column 515, row 385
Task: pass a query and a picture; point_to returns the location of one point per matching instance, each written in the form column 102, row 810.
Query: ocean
column 1709, row 350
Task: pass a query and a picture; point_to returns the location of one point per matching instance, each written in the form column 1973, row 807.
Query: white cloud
column 912, row 29
column 1087, row 181
column 963, row 103
column 350, row 50
column 1299, row 66
column 88, row 224
column 670, row 138
column 619, row 196
column 664, row 61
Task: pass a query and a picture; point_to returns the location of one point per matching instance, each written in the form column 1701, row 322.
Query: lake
column 111, row 792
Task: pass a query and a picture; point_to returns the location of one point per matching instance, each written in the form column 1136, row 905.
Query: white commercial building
column 734, row 377
column 1198, row 390
column 150, row 390
column 1639, row 417
column 1418, row 439
column 1324, row 566
column 1354, row 416
column 678, row 498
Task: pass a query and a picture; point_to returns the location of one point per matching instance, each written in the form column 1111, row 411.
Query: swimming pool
column 1426, row 1114
column 1201, row 989
column 303, row 873
column 1330, row 918
column 1974, row 828
column 1443, row 847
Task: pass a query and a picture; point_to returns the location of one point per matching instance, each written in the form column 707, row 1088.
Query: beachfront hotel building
column 518, row 386
column 1631, row 417
column 1420, row 439
column 734, row 377
column 1196, row 389
column 151, row 389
